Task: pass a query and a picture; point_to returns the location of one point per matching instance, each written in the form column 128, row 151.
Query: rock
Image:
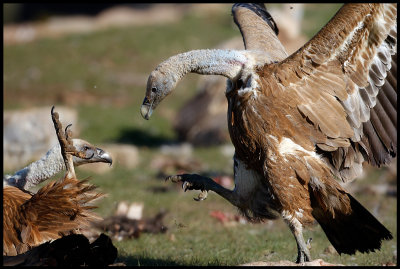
column 228, row 150
column 180, row 150
column 96, row 168
column 29, row 134
column 124, row 154
column 132, row 211
column 175, row 159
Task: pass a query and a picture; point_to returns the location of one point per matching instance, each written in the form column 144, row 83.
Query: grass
column 111, row 67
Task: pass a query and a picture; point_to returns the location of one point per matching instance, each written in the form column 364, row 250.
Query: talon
column 68, row 133
column 202, row 196
column 308, row 243
column 174, row 179
column 186, row 185
column 54, row 114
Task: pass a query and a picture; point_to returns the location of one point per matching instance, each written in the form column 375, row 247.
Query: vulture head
column 159, row 85
column 92, row 154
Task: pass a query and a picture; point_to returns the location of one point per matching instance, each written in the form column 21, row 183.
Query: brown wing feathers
column 344, row 81
column 13, row 198
column 62, row 207
column 381, row 131
column 376, row 100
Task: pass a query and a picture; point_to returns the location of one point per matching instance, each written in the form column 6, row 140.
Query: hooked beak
column 103, row 156
column 146, row 109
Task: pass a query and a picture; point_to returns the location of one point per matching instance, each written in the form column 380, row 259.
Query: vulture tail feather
column 359, row 230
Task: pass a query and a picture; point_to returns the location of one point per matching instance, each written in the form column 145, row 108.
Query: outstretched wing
column 344, row 82
column 258, row 29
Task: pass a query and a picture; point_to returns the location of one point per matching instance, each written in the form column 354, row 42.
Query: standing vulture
column 58, row 208
column 300, row 122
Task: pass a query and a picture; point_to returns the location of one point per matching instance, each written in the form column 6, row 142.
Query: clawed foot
column 304, row 253
column 65, row 139
column 303, row 257
column 192, row 182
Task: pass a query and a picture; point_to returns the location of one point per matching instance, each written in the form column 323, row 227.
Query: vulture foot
column 65, row 139
column 303, row 253
column 303, row 247
column 193, row 182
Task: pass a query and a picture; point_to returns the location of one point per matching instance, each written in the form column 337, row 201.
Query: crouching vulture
column 60, row 207
column 52, row 163
column 300, row 122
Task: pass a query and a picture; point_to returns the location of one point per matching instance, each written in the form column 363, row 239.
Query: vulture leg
column 204, row 184
column 67, row 148
column 302, row 247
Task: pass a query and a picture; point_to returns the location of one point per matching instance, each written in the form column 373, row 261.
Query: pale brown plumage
column 306, row 97
column 59, row 208
column 322, row 77
column 300, row 122
column 319, row 79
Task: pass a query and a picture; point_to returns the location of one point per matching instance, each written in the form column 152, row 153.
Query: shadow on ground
column 141, row 138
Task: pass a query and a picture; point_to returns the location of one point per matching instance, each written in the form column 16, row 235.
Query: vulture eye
column 85, row 147
column 154, row 89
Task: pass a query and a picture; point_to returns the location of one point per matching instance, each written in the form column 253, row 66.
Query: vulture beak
column 102, row 156
column 146, row 109
column 94, row 155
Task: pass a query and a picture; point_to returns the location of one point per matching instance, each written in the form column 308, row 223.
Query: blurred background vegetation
column 101, row 72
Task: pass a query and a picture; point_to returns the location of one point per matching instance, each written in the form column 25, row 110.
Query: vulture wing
column 344, row 82
column 13, row 198
column 258, row 29
column 56, row 209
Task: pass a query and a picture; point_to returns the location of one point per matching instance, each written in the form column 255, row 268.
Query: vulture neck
column 228, row 63
column 49, row 165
